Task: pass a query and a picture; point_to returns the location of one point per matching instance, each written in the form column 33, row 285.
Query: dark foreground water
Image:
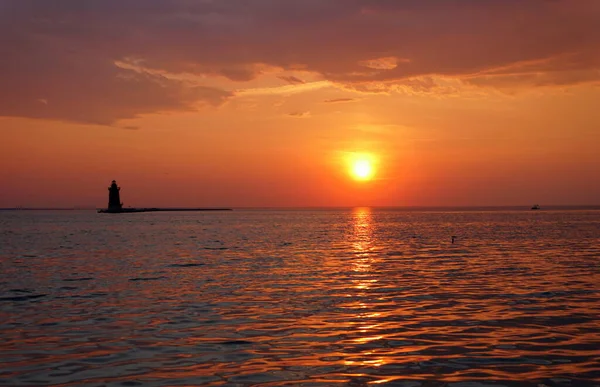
column 314, row 298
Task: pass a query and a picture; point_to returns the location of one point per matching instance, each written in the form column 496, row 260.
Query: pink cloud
column 64, row 52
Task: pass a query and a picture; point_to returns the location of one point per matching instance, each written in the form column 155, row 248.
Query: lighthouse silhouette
column 114, row 198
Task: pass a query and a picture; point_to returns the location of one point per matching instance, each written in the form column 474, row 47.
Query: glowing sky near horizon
column 262, row 103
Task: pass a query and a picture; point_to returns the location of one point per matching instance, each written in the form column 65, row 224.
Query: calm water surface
column 313, row 298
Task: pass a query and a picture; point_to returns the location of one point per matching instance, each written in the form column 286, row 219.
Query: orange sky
column 237, row 103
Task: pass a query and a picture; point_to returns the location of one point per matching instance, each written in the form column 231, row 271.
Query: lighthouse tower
column 114, row 199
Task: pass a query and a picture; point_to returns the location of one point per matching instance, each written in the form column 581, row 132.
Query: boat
column 535, row 207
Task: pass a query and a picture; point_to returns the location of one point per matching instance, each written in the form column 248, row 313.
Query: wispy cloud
column 286, row 89
column 385, row 63
column 340, row 100
column 304, row 114
column 291, row 80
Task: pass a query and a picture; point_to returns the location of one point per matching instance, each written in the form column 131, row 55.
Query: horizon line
column 415, row 207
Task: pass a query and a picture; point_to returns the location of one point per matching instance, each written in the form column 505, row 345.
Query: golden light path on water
column 331, row 297
column 363, row 245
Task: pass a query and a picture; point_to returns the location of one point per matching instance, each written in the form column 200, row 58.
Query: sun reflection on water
column 362, row 238
column 362, row 231
column 364, row 325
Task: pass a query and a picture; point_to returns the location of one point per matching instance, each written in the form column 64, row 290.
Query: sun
column 361, row 168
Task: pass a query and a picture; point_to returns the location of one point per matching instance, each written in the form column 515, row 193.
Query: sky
column 269, row 103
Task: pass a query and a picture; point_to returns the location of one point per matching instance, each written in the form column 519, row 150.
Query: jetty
column 115, row 206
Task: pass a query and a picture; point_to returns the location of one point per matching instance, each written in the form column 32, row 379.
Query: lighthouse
column 114, row 199
column 116, row 207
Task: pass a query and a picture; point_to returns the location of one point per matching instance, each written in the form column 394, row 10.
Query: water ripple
column 307, row 298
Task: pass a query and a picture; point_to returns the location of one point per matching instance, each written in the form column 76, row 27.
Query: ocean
column 350, row 297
